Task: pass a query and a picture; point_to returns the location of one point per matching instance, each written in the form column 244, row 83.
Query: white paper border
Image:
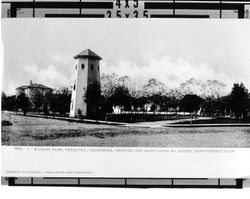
column 125, row 162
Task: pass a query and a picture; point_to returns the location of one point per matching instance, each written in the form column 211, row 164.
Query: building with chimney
column 31, row 89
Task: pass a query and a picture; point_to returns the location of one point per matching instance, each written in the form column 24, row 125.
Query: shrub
column 80, row 115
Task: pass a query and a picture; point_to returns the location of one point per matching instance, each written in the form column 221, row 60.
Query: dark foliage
column 191, row 103
column 122, row 98
column 239, row 100
column 139, row 103
column 38, row 100
column 59, row 101
column 107, row 105
column 6, row 123
column 23, row 103
column 8, row 103
column 93, row 98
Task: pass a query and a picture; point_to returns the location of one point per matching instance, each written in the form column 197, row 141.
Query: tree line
column 57, row 101
column 236, row 104
column 114, row 91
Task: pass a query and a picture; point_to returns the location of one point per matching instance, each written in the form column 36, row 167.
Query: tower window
column 76, row 66
column 74, row 87
column 92, row 67
column 83, row 66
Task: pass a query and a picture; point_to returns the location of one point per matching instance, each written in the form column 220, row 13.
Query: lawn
column 217, row 121
column 29, row 131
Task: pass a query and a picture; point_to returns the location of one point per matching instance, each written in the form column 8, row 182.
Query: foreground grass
column 217, row 121
column 28, row 131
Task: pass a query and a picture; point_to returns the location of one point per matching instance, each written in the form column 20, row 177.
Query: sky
column 172, row 51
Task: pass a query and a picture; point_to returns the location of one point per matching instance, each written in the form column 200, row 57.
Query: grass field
column 28, row 131
column 217, row 121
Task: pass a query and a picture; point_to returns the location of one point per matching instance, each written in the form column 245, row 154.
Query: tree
column 38, row 99
column 207, row 89
column 122, row 98
column 52, row 98
column 208, row 107
column 23, row 103
column 42, row 100
column 153, row 108
column 139, row 103
column 153, row 86
column 191, row 103
column 93, row 98
column 156, row 99
column 3, row 101
column 109, row 84
column 239, row 100
column 63, row 98
column 59, row 101
column 219, row 107
column 174, row 102
column 162, row 101
column 8, row 102
column 226, row 103
column 80, row 115
column 107, row 105
column 47, row 101
column 213, row 89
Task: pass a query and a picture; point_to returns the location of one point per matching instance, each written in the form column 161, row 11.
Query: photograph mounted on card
column 147, row 83
column 121, row 98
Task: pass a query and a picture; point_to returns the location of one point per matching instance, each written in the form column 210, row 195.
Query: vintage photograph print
column 126, row 83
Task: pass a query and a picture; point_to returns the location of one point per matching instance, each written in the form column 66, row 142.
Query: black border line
column 158, row 4
column 238, row 185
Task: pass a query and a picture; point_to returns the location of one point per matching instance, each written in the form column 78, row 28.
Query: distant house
column 31, row 89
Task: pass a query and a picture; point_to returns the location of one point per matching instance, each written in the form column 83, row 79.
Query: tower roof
column 87, row 54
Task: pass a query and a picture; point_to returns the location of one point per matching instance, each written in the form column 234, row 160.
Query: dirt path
column 161, row 124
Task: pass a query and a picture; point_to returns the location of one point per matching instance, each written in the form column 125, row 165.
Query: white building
column 87, row 71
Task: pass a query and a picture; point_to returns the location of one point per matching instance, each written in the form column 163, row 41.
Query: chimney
column 31, row 82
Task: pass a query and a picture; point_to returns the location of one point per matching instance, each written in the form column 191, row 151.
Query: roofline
column 22, row 87
column 33, row 86
column 87, row 56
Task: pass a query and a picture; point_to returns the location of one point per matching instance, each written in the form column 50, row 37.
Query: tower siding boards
column 87, row 71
